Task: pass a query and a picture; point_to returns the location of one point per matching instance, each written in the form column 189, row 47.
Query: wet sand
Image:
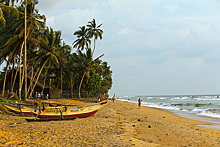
column 116, row 124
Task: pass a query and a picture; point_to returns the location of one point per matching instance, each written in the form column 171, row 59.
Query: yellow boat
column 17, row 109
column 65, row 113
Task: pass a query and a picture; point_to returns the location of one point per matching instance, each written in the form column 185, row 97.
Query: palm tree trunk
column 12, row 74
column 23, row 72
column 32, row 79
column 61, row 77
column 3, row 90
column 71, row 85
column 32, row 74
column 38, row 77
column 94, row 48
column 15, row 77
column 43, row 85
column 71, row 90
column 25, row 49
column 20, row 86
column 22, row 79
column 81, row 84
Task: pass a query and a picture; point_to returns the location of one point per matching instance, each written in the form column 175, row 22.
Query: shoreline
column 187, row 115
column 116, row 124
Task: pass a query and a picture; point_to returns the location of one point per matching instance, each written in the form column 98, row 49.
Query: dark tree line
column 48, row 54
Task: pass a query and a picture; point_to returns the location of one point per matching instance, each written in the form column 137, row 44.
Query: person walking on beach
column 113, row 99
column 139, row 103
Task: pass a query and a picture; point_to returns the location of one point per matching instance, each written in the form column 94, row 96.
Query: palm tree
column 13, row 35
column 106, row 69
column 64, row 51
column 50, row 42
column 7, row 8
column 82, row 39
column 34, row 23
column 94, row 31
column 107, row 75
column 71, row 74
column 8, row 15
column 84, row 62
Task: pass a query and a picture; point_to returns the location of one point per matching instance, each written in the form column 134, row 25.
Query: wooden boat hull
column 17, row 110
column 82, row 115
column 67, row 113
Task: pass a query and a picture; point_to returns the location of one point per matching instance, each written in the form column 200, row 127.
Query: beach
column 116, row 124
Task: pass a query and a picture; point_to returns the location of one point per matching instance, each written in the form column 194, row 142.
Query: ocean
column 199, row 107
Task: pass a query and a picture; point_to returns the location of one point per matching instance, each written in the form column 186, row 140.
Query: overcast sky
column 154, row 47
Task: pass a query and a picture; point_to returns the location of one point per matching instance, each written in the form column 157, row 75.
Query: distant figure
column 139, row 103
column 113, row 99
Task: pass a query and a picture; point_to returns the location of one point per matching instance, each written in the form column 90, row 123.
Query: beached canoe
column 17, row 109
column 65, row 112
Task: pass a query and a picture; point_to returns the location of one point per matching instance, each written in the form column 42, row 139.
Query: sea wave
column 200, row 105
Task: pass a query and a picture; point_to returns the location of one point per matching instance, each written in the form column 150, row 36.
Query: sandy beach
column 116, row 124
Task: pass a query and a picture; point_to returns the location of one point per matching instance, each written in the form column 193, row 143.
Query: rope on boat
column 39, row 112
column 20, row 109
column 61, row 113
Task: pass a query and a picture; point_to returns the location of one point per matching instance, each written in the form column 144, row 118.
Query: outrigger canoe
column 17, row 109
column 65, row 113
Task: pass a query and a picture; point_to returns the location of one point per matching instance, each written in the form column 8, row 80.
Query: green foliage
column 48, row 54
column 94, row 81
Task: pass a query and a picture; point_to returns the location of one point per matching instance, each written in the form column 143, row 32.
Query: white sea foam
column 203, row 99
column 197, row 110
column 210, row 114
column 199, row 105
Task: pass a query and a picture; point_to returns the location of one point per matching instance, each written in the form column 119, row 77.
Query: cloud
column 161, row 46
column 50, row 21
column 124, row 31
column 46, row 5
column 171, row 8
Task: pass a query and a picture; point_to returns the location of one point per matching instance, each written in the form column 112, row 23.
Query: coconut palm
column 94, row 31
column 7, row 6
column 50, row 42
column 57, row 71
column 84, row 62
column 82, row 40
column 7, row 52
column 107, row 75
column 106, row 69
column 13, row 33
column 7, row 9
column 71, row 74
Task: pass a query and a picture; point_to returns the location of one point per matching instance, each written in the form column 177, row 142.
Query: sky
column 154, row 47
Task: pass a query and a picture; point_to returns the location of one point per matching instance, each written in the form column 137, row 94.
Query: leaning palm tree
column 84, row 62
column 34, row 23
column 94, row 31
column 82, row 40
column 7, row 52
column 12, row 37
column 50, row 43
